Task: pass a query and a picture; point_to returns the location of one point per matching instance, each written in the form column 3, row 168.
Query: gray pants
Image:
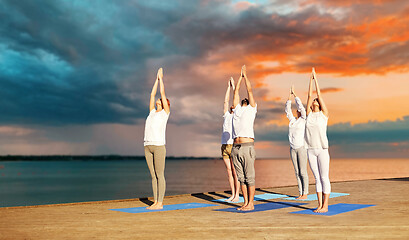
column 244, row 156
column 300, row 159
column 155, row 158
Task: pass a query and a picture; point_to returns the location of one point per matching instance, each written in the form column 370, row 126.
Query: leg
column 227, row 163
column 237, row 162
column 312, row 158
column 250, row 176
column 159, row 163
column 236, row 183
column 302, row 164
column 251, row 193
column 245, row 196
column 323, row 163
column 294, row 159
column 319, row 197
column 149, row 161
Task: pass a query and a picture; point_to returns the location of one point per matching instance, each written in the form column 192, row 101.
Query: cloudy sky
column 75, row 76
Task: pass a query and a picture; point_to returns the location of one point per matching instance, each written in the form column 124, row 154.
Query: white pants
column 319, row 164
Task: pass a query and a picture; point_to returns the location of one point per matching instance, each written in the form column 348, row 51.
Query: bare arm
column 153, row 94
column 236, row 96
column 226, row 99
column 162, row 91
column 309, row 98
column 320, row 99
column 248, row 86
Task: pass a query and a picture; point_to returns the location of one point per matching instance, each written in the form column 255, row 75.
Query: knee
column 251, row 182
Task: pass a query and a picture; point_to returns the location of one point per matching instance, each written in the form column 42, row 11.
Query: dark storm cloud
column 77, row 62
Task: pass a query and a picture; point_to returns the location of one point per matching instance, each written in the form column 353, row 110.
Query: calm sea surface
column 46, row 182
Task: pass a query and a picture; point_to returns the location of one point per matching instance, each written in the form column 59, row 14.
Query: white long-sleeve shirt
column 296, row 128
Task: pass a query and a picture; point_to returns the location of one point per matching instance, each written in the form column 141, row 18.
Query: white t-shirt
column 243, row 121
column 227, row 137
column 296, row 128
column 155, row 128
column 316, row 130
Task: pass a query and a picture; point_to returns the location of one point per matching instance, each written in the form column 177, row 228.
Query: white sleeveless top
column 243, row 121
column 316, row 130
column 227, row 137
column 155, row 128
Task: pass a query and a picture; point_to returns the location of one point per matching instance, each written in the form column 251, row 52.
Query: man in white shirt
column 243, row 152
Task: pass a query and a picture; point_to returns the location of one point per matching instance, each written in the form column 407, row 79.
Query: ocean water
column 25, row 183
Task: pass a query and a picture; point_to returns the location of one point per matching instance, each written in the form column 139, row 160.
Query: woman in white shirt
column 227, row 144
column 154, row 141
column 317, row 143
column 298, row 152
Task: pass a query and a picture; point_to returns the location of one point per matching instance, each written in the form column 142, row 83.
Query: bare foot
column 230, row 198
column 149, row 207
column 235, row 199
column 318, row 209
column 302, row 197
column 157, row 206
column 241, row 208
column 322, row 210
column 249, row 207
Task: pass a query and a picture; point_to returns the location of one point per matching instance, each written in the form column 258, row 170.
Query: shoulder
column 323, row 115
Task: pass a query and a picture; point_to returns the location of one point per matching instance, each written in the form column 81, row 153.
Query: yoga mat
column 165, row 208
column 263, row 207
column 265, row 196
column 336, row 209
column 313, row 197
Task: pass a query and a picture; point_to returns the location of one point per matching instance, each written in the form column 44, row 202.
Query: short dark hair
column 319, row 104
column 245, row 100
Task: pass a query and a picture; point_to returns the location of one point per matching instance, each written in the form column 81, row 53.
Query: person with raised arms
column 227, row 144
column 154, row 140
column 298, row 152
column 317, row 143
column 243, row 152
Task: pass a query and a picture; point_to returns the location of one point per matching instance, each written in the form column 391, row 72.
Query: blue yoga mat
column 265, row 196
column 165, row 208
column 336, row 209
column 263, row 207
column 313, row 197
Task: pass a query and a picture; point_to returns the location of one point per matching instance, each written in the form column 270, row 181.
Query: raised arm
column 309, row 98
column 162, row 91
column 320, row 99
column 153, row 94
column 227, row 98
column 298, row 102
column 288, row 111
column 248, row 86
column 236, row 95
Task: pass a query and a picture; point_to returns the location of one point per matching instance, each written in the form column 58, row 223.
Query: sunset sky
column 76, row 76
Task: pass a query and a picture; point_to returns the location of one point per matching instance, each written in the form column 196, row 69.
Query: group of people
column 307, row 136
